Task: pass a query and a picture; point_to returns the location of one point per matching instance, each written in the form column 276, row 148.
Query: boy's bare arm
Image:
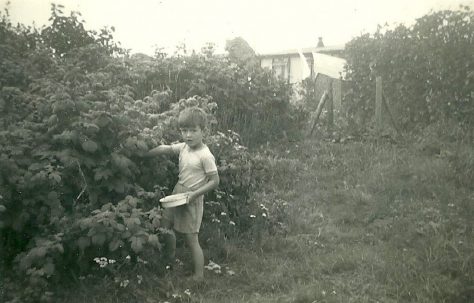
column 160, row 150
column 210, row 185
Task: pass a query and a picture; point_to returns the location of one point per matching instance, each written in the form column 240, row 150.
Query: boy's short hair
column 192, row 117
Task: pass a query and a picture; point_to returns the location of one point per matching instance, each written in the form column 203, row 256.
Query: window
column 280, row 67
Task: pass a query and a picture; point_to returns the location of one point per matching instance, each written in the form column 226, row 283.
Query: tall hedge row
column 426, row 68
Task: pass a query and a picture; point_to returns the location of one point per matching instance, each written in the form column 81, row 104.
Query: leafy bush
column 426, row 70
column 73, row 183
column 250, row 100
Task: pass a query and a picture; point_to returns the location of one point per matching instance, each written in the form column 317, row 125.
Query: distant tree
column 240, row 51
column 208, row 49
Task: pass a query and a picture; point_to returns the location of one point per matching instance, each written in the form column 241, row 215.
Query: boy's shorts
column 185, row 218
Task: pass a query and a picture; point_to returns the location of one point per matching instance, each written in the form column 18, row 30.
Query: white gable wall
column 266, row 63
column 296, row 70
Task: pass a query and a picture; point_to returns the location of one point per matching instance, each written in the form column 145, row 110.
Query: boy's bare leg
column 197, row 255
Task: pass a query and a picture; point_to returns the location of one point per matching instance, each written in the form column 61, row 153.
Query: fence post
column 378, row 104
column 330, row 107
column 319, row 109
column 337, row 95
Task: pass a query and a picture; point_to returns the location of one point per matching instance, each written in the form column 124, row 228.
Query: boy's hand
column 192, row 196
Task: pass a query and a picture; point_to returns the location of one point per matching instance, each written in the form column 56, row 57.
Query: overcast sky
column 267, row 25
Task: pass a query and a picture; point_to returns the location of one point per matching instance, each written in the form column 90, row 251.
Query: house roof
column 307, row 50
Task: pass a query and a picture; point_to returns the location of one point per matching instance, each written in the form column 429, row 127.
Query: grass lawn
column 366, row 222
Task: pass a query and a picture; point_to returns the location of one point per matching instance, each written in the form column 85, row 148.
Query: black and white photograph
column 238, row 151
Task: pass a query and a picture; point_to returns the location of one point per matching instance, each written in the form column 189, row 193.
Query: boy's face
column 192, row 136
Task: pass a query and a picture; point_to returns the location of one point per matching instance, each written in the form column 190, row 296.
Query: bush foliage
column 426, row 70
column 77, row 114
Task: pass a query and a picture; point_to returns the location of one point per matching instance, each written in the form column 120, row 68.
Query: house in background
column 294, row 65
column 324, row 64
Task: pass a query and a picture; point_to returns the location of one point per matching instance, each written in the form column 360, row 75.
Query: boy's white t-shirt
column 194, row 165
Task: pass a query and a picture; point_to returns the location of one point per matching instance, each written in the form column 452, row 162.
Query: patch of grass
column 363, row 223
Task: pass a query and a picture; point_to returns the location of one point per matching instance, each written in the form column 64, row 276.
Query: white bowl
column 174, row 200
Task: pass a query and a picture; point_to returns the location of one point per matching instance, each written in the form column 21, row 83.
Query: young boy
column 197, row 176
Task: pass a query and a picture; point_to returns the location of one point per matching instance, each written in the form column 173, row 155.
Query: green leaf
column 119, row 186
column 103, row 121
column 102, row 174
column 38, row 252
column 89, row 146
column 35, row 166
column 91, row 128
column 156, row 222
column 116, row 243
column 121, row 161
column 66, row 135
column 59, row 247
column 137, row 244
column 65, row 156
column 48, row 269
column 132, row 201
column 153, row 240
column 120, row 227
column 142, row 145
column 98, row 239
column 55, row 176
column 83, row 243
column 131, row 221
column 53, row 197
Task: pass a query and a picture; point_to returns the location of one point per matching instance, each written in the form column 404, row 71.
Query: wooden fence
column 331, row 100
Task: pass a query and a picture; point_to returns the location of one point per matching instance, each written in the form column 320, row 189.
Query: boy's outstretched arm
column 211, row 184
column 159, row 150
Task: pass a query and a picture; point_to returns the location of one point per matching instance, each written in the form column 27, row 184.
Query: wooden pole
column 392, row 120
column 319, row 109
column 337, row 95
column 378, row 104
column 330, row 107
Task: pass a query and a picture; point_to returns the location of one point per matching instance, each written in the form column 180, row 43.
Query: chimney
column 320, row 42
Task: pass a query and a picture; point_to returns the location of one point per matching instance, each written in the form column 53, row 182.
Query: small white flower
column 264, row 215
column 252, row 216
column 187, row 292
column 213, row 266
column 124, row 283
column 223, row 214
column 128, row 257
column 232, row 223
